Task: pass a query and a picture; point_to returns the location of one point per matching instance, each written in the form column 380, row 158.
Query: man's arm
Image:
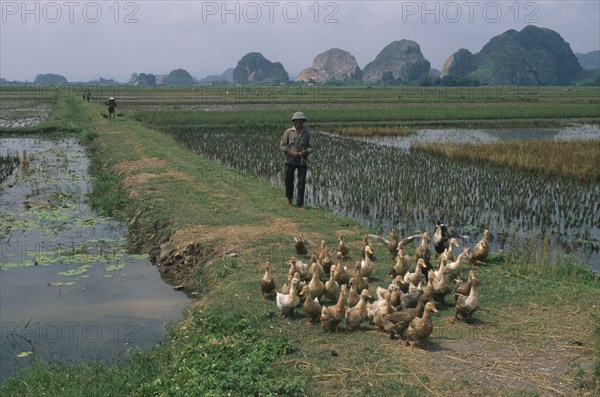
column 285, row 140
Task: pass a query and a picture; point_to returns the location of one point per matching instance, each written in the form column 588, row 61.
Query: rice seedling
column 8, row 162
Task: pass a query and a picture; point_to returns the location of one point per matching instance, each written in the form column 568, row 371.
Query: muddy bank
column 178, row 258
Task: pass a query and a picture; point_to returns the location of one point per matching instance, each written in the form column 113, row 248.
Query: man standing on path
column 296, row 145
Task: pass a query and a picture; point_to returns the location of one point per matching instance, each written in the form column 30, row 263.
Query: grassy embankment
column 234, row 343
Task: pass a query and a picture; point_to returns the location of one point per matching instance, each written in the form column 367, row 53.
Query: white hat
column 298, row 116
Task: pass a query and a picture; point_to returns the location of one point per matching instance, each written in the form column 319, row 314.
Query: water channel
column 69, row 290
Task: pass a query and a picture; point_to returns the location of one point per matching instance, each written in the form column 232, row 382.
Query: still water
column 69, row 289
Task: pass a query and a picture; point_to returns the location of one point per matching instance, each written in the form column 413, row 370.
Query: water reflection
column 462, row 136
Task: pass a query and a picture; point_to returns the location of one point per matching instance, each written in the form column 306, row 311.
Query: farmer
column 296, row 145
column 112, row 104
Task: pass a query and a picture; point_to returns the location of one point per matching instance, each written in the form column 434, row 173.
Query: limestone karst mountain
column 332, row 65
column 255, row 68
column 533, row 56
column 401, row 60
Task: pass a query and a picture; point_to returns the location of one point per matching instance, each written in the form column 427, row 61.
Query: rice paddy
column 471, row 187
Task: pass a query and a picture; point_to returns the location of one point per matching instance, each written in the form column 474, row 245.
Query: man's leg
column 289, row 182
column 302, row 170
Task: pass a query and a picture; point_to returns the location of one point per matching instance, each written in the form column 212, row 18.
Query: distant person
column 88, row 94
column 112, row 104
column 296, row 145
column 83, row 95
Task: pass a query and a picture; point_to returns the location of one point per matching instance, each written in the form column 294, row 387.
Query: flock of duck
column 401, row 310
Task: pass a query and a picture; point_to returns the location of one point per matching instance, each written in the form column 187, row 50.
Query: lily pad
column 116, row 267
column 75, row 272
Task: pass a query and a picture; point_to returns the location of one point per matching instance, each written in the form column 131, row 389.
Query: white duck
column 366, row 264
column 287, row 303
column 448, row 254
column 454, row 266
column 416, row 276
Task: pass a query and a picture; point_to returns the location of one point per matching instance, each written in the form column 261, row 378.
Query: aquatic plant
column 8, row 163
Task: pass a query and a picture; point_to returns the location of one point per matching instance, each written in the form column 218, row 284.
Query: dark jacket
column 291, row 140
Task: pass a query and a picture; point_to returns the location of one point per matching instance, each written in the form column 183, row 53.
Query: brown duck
column 464, row 287
column 357, row 314
column 393, row 243
column 332, row 288
column 332, row 316
column 300, row 245
column 312, row 307
column 481, row 249
column 341, row 273
column 342, row 247
column 267, row 282
column 397, row 322
column 466, row 305
column 421, row 327
column 402, row 263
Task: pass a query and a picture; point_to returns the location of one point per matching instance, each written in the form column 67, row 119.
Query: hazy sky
column 84, row 40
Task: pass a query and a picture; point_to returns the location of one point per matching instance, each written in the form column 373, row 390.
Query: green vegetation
column 106, row 195
column 8, row 162
column 233, row 342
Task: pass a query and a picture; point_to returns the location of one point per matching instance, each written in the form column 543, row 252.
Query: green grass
column 90, row 379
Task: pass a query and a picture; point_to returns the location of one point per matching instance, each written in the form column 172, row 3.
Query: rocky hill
column 402, row 59
column 256, row 69
column 533, row 56
column 225, row 77
column 143, row 79
column 50, row 78
column 331, row 65
column 179, row 77
column 589, row 60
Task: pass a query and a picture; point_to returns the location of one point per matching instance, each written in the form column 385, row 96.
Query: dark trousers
column 289, row 182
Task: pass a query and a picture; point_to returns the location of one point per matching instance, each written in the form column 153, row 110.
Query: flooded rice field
column 382, row 182
column 463, row 136
column 23, row 114
column 68, row 288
